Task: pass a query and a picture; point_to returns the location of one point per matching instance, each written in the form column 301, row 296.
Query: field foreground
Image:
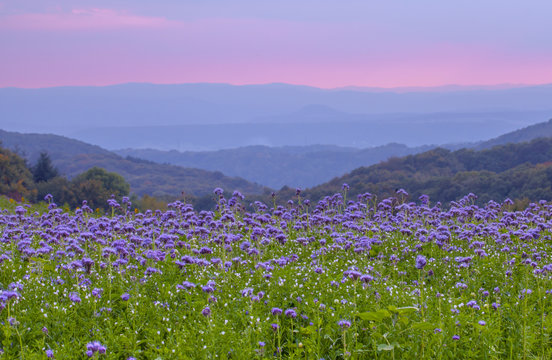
column 335, row 280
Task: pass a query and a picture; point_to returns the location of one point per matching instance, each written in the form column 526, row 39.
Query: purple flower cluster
column 95, row 347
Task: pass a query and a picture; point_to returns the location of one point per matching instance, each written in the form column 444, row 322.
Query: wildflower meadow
column 342, row 278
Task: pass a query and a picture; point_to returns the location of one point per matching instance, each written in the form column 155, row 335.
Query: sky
column 322, row 43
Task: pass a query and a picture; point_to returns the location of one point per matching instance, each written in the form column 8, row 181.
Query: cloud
column 83, row 19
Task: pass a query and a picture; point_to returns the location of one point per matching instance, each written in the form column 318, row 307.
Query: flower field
column 339, row 279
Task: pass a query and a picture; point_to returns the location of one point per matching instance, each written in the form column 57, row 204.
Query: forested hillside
column 72, row 157
column 514, row 171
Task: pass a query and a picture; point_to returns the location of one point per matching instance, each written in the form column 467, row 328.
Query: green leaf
column 404, row 320
column 385, row 347
column 423, row 326
column 407, row 310
column 374, row 315
column 308, row 330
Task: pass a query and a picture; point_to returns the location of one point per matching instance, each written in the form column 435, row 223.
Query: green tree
column 96, row 185
column 44, row 170
column 61, row 189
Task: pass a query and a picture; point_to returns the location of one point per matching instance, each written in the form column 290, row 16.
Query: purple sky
column 324, row 43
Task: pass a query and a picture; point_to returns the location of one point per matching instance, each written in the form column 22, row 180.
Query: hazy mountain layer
column 275, row 167
column 217, row 116
column 309, row 165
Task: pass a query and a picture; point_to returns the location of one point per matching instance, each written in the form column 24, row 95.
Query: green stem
column 344, row 343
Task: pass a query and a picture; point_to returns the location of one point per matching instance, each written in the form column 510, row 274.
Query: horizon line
column 405, row 88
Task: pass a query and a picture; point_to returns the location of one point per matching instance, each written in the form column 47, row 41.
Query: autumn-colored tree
column 16, row 181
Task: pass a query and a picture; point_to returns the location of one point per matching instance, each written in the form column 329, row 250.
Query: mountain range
column 308, row 166
column 221, row 116
column 198, row 173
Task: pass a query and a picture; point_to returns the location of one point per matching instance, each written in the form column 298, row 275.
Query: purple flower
column 353, row 274
column 74, row 297
column 125, row 297
column 455, row 337
column 97, row 293
column 262, row 343
column 93, row 347
column 206, row 311
column 276, row 311
column 49, row 354
column 291, row 313
column 482, row 323
column 247, row 292
column 420, row 262
column 366, row 278
column 344, row 324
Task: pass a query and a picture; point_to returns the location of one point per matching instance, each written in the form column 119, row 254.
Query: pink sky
column 83, row 45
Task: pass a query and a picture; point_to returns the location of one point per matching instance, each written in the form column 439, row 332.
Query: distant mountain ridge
column 200, row 116
column 313, row 165
column 276, row 167
column 528, row 133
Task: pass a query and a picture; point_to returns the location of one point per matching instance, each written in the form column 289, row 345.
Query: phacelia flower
column 420, row 262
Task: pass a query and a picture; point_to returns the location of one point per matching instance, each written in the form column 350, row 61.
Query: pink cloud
column 83, row 19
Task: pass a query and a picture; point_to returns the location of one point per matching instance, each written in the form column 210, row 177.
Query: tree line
column 21, row 181
column 31, row 183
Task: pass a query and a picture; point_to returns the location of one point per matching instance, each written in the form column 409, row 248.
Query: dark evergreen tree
column 44, row 170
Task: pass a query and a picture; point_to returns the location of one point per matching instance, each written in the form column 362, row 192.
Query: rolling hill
column 307, row 166
column 543, row 129
column 72, row 157
column 517, row 171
